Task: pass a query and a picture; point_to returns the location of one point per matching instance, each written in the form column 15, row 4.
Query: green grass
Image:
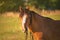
column 9, row 23
column 10, row 28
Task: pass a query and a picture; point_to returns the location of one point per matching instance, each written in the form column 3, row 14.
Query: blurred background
column 12, row 5
column 10, row 24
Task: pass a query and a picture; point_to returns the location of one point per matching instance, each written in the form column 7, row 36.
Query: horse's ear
column 20, row 9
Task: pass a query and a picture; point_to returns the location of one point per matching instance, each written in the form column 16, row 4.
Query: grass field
column 10, row 28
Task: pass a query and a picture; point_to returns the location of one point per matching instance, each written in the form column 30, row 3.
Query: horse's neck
column 38, row 17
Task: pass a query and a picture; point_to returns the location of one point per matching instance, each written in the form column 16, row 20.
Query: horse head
column 26, row 18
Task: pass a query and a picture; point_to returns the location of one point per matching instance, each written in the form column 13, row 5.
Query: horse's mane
column 40, row 16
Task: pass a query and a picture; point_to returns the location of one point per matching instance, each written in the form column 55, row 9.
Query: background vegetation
column 12, row 5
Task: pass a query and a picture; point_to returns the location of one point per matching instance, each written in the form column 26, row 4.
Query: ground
column 10, row 27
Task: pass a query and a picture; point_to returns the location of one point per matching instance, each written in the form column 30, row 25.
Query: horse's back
column 54, row 26
column 49, row 27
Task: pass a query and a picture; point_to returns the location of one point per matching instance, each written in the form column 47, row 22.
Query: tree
column 10, row 5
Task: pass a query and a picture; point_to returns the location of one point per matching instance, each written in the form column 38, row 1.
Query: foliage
column 46, row 4
column 12, row 5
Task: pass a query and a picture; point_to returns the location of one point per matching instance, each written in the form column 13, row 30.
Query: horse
column 41, row 28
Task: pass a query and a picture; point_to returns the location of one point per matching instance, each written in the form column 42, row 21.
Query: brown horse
column 42, row 28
